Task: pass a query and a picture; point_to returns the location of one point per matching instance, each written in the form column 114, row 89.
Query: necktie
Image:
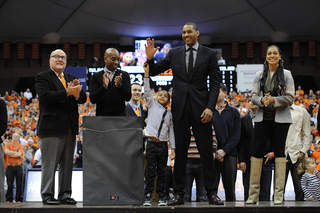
column 190, row 64
column 137, row 111
column 162, row 120
column 63, row 81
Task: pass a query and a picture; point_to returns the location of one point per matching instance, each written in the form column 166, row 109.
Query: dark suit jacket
column 130, row 112
column 3, row 118
column 246, row 141
column 58, row 112
column 196, row 88
column 110, row 101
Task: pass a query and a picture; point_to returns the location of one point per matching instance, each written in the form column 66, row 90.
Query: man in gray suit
column 59, row 95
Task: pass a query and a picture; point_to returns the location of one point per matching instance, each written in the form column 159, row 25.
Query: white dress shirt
column 155, row 113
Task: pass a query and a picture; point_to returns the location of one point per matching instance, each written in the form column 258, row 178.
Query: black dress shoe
column 214, row 199
column 51, row 201
column 68, row 201
column 176, row 200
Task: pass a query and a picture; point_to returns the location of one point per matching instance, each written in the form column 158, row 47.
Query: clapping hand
column 105, row 79
column 118, row 80
column 74, row 88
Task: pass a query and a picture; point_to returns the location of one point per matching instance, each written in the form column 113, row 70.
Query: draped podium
column 112, row 160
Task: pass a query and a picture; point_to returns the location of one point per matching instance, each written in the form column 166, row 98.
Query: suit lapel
column 56, row 79
column 66, row 78
column 130, row 110
column 200, row 55
column 182, row 53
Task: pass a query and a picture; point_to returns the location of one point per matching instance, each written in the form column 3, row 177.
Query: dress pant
column 195, row 172
column 203, row 137
column 57, row 151
column 228, row 171
column 246, row 181
column 296, row 179
column 168, row 185
column 157, row 156
column 265, row 180
column 12, row 173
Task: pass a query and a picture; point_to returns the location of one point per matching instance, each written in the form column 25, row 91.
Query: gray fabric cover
column 112, row 161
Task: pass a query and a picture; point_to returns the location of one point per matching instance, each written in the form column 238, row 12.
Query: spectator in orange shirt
column 305, row 99
column 14, row 170
column 314, row 131
column 311, row 93
column 297, row 101
column 316, row 154
column 10, row 109
column 88, row 99
column 7, row 97
column 242, row 109
column 23, row 100
column 301, row 92
column 312, row 106
column 237, row 95
column 30, row 145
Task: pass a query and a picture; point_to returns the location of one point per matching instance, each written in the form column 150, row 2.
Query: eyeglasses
column 59, row 57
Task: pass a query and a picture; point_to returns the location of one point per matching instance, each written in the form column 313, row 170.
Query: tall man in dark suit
column 110, row 88
column 59, row 95
column 192, row 104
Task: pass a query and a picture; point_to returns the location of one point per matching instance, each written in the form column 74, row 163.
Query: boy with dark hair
column 159, row 128
column 227, row 126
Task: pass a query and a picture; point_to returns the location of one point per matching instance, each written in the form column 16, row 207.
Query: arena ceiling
column 54, row 20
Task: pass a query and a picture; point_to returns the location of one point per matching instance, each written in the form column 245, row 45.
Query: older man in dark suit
column 59, row 95
column 192, row 104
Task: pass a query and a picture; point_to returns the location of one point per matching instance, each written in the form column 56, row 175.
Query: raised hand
column 149, row 48
column 146, row 69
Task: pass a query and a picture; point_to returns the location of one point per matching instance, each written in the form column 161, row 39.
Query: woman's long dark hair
column 278, row 76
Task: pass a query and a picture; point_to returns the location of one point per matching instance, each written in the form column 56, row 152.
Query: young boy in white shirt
column 159, row 128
